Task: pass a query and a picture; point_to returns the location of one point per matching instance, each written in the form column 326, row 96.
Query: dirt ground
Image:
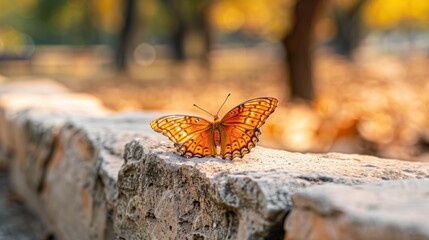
column 16, row 222
column 376, row 104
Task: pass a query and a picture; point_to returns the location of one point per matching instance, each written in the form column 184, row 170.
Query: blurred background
column 352, row 75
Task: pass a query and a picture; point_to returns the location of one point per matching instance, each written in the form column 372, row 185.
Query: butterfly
column 230, row 137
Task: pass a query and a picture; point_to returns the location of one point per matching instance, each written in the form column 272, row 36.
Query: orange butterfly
column 230, row 137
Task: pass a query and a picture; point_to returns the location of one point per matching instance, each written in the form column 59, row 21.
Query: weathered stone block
column 165, row 196
column 73, row 187
column 45, row 95
column 10, row 103
column 395, row 210
column 32, row 86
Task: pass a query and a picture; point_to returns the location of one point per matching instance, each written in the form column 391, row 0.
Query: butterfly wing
column 240, row 126
column 192, row 136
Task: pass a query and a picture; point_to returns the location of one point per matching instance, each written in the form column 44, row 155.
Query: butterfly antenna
column 223, row 103
column 195, row 105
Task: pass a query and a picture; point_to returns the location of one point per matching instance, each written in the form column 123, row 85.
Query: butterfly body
column 231, row 137
column 216, row 131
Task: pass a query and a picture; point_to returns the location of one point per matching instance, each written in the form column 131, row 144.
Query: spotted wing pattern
column 192, row 136
column 240, row 126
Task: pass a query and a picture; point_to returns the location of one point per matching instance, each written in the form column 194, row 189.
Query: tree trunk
column 179, row 29
column 189, row 21
column 203, row 29
column 349, row 29
column 298, row 44
column 125, row 35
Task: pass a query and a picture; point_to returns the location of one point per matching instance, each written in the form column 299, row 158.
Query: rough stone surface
column 31, row 126
column 165, row 196
column 16, row 97
column 29, row 85
column 66, row 167
column 387, row 210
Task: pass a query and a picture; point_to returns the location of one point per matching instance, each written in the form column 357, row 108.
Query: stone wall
column 91, row 174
